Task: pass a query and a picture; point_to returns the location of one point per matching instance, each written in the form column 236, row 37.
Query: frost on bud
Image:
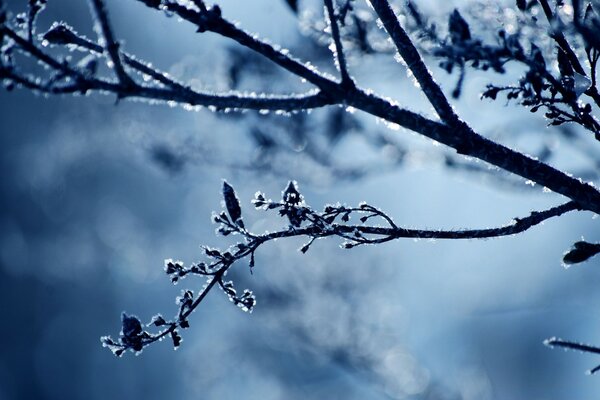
column 293, row 205
column 212, row 253
column 172, row 267
column 291, row 195
column 116, row 348
column 229, row 289
column 232, row 204
column 247, row 301
column 580, row 252
column 158, row 320
column 176, row 339
column 60, row 33
column 185, row 301
column 131, row 325
column 304, row 248
column 259, row 200
column 132, row 332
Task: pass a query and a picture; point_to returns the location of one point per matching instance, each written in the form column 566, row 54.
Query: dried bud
column 232, row 204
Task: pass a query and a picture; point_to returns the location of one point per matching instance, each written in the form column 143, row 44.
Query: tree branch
column 304, row 221
column 458, row 136
column 565, row 344
column 337, row 50
column 111, row 45
column 414, row 62
column 176, row 92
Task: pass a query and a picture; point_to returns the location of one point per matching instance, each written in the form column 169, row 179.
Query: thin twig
column 414, row 62
column 305, row 222
column 560, row 39
column 111, row 45
column 338, row 50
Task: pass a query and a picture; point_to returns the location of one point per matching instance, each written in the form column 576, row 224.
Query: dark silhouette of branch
column 304, row 221
column 456, row 135
column 413, row 61
column 111, row 45
column 338, row 51
column 565, row 344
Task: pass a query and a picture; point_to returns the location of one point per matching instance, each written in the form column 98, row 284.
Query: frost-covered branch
column 108, row 41
column 560, row 94
column 337, row 49
column 565, row 344
column 453, row 132
column 374, row 227
column 414, row 62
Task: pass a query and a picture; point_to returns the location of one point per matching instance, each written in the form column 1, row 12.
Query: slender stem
column 560, row 39
column 111, row 45
column 179, row 94
column 337, row 50
column 414, row 62
column 212, row 21
column 519, row 225
column 469, row 143
column 572, row 345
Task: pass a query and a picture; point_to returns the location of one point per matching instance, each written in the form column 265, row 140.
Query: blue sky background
column 87, row 218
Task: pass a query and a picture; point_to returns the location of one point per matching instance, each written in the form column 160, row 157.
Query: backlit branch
column 302, row 221
column 453, row 133
column 109, row 42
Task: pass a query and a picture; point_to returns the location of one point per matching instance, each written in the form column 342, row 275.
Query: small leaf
column 232, row 203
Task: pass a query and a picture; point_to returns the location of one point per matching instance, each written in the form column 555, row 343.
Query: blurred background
column 95, row 195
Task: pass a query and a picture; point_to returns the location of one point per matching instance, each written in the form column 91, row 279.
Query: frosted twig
column 304, row 221
column 338, row 50
column 565, row 344
column 111, row 45
column 413, row 60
